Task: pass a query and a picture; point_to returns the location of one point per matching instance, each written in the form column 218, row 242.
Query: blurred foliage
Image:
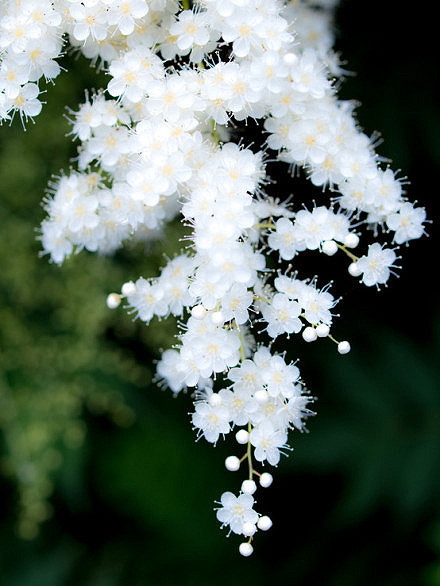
column 55, row 360
column 355, row 504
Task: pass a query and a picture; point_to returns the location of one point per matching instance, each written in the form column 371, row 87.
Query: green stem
column 214, row 132
column 249, row 453
column 242, row 356
column 353, row 257
column 267, row 225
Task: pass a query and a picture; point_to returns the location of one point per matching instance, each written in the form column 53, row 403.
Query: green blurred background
column 101, row 481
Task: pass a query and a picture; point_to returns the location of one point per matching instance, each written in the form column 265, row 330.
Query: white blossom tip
column 198, row 312
column 248, row 486
column 113, row 301
column 246, row 549
column 232, row 463
column 309, row 334
column 354, row 270
column 249, row 529
column 266, row 479
column 217, row 318
column 344, row 347
column 242, row 436
column 322, row 330
column 351, row 240
column 128, row 289
column 215, row 400
column 329, row 247
column 264, row 523
column 261, row 396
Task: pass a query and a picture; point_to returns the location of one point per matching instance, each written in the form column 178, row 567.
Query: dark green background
column 355, row 504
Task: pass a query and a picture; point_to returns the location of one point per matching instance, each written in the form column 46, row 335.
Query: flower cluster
column 157, row 145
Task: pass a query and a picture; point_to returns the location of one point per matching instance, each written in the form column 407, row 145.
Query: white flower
column 308, row 76
column 12, row 77
column 146, row 185
column 235, row 511
column 283, row 239
column 239, row 403
column 89, row 20
column 148, row 300
column 236, row 302
column 124, row 14
column 267, row 441
column 211, row 420
column 168, row 368
column 314, row 227
column 407, row 222
column 213, row 351
column 375, row 266
column 247, row 376
column 26, row 101
column 167, row 149
column 280, row 378
column 241, row 28
column 307, row 142
column 191, row 28
column 282, row 316
column 385, row 190
column 316, row 305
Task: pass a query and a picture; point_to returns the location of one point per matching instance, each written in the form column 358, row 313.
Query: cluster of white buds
column 157, row 145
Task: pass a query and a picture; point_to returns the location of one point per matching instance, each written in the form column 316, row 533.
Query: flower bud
column 266, row 479
column 242, row 436
column 354, row 270
column 248, row 486
column 309, row 334
column 322, row 330
column 264, row 523
column 344, row 347
column 128, row 288
column 249, row 529
column 198, row 312
column 113, row 300
column 329, row 247
column 351, row 240
column 232, row 463
column 245, row 549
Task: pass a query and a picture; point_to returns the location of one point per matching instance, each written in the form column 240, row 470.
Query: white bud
column 344, row 347
column 249, row 529
column 264, row 523
column 198, row 312
column 248, row 487
column 215, row 399
column 351, row 240
column 232, row 463
column 290, row 58
column 329, row 247
column 113, row 300
column 354, row 270
column 323, row 330
column 242, row 436
column 217, row 318
column 309, row 334
column 128, row 288
column 245, row 549
column 266, row 479
column 261, row 396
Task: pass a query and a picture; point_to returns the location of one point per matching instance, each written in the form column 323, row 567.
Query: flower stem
column 353, row 257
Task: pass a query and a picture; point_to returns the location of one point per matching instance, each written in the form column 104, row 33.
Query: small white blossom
column 375, row 266
column 235, row 511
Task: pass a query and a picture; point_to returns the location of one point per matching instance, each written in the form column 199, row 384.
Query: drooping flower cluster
column 157, row 145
